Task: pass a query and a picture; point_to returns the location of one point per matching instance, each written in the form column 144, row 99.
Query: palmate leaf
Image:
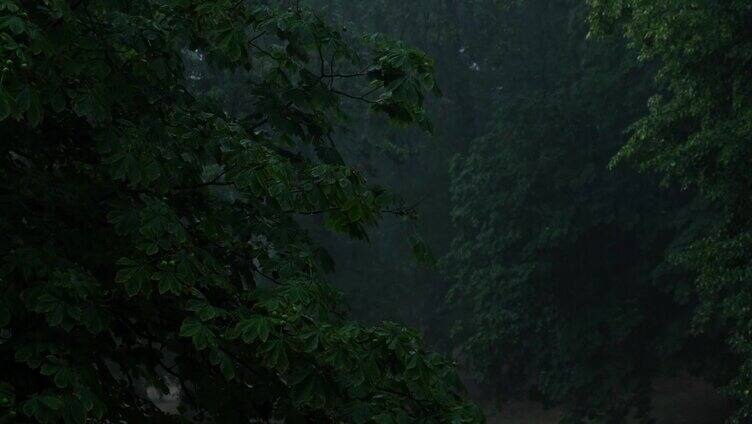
column 168, row 283
column 74, row 410
column 91, row 104
column 200, row 333
column 421, row 250
column 43, row 408
column 309, row 388
column 275, row 354
column 254, row 328
column 134, row 275
column 15, row 24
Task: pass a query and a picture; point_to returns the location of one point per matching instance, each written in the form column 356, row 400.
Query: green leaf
column 5, row 109
column 74, row 411
column 308, row 389
column 169, row 283
column 257, row 327
column 14, row 23
column 421, row 251
column 52, row 402
column 190, row 327
column 43, row 408
column 92, row 319
column 312, row 340
column 233, row 43
column 201, row 334
column 276, row 354
column 91, row 104
column 227, row 367
column 134, row 275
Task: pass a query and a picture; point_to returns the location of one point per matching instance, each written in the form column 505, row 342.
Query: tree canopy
column 559, row 259
column 576, row 279
column 696, row 135
column 225, row 199
column 150, row 235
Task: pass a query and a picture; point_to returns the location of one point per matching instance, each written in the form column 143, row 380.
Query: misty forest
column 376, row 211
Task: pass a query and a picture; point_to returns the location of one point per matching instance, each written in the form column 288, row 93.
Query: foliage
column 561, row 284
column 697, row 135
column 383, row 278
column 150, row 238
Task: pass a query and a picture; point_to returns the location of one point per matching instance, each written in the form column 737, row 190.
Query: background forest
column 563, row 273
column 554, row 194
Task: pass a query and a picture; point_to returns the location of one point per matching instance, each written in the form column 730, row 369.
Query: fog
column 383, row 211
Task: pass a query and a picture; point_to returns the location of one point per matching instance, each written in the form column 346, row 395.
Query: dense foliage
column 575, row 279
column 457, row 34
column 180, row 181
column 559, row 259
column 697, row 135
column 150, row 235
column 570, row 284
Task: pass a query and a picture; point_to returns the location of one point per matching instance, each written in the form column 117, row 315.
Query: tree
column 696, row 135
column 149, row 238
column 561, row 284
column 464, row 38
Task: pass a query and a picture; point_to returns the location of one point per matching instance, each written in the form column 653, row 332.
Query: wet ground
column 676, row 401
